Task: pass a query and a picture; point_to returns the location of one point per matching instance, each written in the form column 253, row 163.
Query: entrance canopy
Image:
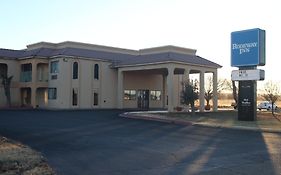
column 168, row 61
column 169, row 71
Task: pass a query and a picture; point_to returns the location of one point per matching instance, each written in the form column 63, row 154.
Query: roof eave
column 80, row 57
column 165, row 62
column 31, row 57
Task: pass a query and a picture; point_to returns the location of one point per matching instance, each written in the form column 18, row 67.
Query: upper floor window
column 26, row 67
column 55, row 67
column 26, row 73
column 96, row 71
column 75, row 70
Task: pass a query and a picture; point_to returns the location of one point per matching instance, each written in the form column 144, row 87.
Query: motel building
column 72, row 75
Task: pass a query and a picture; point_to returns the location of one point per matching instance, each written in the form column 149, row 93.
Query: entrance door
column 143, row 99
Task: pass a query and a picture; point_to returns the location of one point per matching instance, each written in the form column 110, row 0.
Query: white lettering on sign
column 246, row 102
column 244, row 48
column 243, row 73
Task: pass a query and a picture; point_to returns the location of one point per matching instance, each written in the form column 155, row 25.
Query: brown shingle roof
column 117, row 59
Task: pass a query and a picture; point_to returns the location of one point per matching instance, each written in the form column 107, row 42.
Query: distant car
column 266, row 105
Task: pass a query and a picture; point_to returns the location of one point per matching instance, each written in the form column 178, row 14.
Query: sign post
column 247, row 100
column 247, row 52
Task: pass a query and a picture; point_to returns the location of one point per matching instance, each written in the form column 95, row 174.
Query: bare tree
column 231, row 85
column 271, row 93
column 190, row 94
column 209, row 94
column 6, row 81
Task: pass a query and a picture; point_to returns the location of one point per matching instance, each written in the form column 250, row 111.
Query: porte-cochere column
column 120, row 91
column 186, row 75
column 202, row 91
column 170, row 87
column 215, row 90
column 34, row 81
column 164, row 82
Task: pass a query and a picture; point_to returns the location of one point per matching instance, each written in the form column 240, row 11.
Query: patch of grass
column 227, row 118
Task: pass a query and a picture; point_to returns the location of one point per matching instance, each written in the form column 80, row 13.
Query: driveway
column 100, row 142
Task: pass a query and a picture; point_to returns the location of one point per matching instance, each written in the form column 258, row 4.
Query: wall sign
column 247, row 74
column 248, row 48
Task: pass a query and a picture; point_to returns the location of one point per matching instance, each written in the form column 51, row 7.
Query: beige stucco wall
column 86, row 84
column 38, row 80
column 62, row 83
column 145, row 77
column 177, row 89
column 143, row 81
column 136, row 77
column 108, row 90
column 15, row 96
column 13, row 70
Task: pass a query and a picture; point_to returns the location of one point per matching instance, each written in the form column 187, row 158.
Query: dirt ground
column 18, row 159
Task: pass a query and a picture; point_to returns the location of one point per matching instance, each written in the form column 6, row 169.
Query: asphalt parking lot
column 101, row 142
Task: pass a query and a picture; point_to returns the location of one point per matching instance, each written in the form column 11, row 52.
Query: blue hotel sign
column 248, row 48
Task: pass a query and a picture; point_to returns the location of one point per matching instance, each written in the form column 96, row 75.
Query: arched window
column 96, row 72
column 75, row 70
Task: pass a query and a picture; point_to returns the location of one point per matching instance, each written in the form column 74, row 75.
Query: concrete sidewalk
column 222, row 119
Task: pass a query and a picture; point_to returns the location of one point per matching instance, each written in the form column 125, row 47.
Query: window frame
column 96, row 99
column 130, row 94
column 96, row 71
column 75, row 70
column 155, row 95
column 54, row 67
column 52, row 93
column 75, row 93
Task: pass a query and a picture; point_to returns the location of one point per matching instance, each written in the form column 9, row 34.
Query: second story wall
column 33, row 70
column 59, row 83
column 81, row 83
column 12, row 68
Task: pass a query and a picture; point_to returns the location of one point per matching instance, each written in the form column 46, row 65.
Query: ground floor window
column 155, row 95
column 52, row 93
column 129, row 94
column 74, row 96
column 96, row 99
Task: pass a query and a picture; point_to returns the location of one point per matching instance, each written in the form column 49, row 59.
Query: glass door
column 143, row 99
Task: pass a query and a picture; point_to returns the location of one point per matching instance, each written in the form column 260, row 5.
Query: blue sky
column 135, row 24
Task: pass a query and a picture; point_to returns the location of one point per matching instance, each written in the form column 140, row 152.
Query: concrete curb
column 140, row 117
column 188, row 123
column 269, row 130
